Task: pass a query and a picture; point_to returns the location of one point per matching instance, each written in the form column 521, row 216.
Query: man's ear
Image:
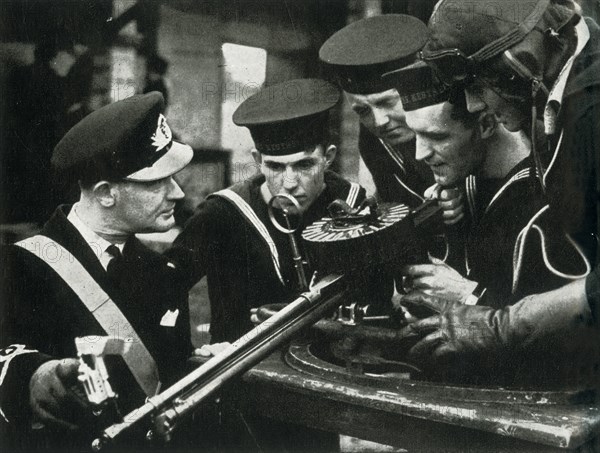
column 487, row 124
column 105, row 193
column 330, row 154
column 257, row 156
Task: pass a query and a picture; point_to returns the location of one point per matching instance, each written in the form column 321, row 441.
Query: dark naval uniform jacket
column 397, row 175
column 515, row 247
column 41, row 316
column 220, row 243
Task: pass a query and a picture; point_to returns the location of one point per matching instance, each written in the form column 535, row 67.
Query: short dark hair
column 460, row 112
column 88, row 174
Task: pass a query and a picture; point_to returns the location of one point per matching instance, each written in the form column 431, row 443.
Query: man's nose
column 474, row 100
column 380, row 117
column 290, row 179
column 423, row 150
column 175, row 192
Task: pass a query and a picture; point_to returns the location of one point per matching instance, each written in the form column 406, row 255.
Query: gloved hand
column 449, row 328
column 450, row 199
column 437, row 279
column 555, row 329
column 56, row 397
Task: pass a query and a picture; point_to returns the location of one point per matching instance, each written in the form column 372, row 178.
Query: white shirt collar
column 97, row 243
column 558, row 90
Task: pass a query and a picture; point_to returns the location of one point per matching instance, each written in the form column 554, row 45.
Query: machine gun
column 165, row 410
column 170, row 406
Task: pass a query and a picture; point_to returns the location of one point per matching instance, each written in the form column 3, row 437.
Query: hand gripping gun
column 92, row 369
column 352, row 243
column 164, row 410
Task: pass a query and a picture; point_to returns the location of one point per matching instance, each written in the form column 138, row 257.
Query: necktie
column 115, row 265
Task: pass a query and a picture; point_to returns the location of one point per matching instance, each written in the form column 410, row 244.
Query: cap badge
column 162, row 137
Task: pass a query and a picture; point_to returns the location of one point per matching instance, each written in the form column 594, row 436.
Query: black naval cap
column 358, row 54
column 288, row 117
column 129, row 139
column 419, row 86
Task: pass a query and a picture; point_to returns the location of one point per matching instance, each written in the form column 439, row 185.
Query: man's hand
column 209, row 350
column 438, row 279
column 451, row 329
column 553, row 331
column 422, row 305
column 56, row 396
column 451, row 201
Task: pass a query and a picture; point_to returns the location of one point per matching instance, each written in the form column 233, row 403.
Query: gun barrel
column 186, row 394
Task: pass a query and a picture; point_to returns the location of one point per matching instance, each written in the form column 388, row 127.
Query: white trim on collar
column 558, row 90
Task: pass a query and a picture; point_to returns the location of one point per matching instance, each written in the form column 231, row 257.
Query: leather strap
column 138, row 359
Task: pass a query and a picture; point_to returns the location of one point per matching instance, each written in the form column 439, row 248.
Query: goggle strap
column 537, row 160
column 513, row 37
column 524, row 72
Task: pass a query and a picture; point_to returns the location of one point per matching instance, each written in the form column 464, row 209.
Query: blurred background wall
column 206, row 55
column 61, row 59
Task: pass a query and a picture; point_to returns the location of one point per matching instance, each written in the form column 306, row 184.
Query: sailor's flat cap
column 358, row 54
column 288, row 117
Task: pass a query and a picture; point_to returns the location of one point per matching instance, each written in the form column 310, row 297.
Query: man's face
column 300, row 175
column 382, row 114
column 447, row 146
column 146, row 207
column 507, row 109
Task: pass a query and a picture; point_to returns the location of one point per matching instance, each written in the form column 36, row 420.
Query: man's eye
column 433, row 137
column 438, row 137
column 361, row 111
column 304, row 166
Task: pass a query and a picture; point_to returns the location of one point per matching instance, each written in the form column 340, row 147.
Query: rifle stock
column 185, row 395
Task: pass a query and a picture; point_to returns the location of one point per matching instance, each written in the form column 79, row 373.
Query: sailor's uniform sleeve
column 592, row 289
column 18, row 363
column 18, row 359
column 356, row 195
column 573, row 183
column 198, row 242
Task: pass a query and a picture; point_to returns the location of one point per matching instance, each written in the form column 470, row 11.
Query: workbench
column 419, row 420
